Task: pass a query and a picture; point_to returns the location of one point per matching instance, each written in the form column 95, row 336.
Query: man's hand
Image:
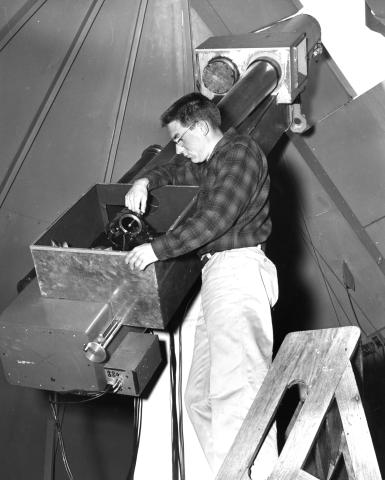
column 136, row 197
column 140, row 257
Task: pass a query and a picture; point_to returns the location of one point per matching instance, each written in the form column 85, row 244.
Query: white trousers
column 232, row 351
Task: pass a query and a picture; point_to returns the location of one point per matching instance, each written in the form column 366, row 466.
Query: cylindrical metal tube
column 96, row 351
column 260, row 81
column 147, row 155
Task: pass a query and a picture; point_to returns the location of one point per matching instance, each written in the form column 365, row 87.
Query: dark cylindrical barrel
column 259, row 81
column 147, row 155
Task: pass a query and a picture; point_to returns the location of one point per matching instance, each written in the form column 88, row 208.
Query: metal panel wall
column 340, row 182
column 83, row 85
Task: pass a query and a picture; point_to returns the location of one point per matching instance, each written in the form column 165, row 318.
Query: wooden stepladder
column 320, row 361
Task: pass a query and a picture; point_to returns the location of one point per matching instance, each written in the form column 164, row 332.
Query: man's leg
column 196, row 396
column 238, row 288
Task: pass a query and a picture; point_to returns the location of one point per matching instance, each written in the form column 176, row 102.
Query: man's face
column 190, row 140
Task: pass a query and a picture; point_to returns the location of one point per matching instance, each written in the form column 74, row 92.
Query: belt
column 205, row 258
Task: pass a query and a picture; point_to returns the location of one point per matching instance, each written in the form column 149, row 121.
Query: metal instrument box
column 85, row 322
column 82, row 271
column 42, row 340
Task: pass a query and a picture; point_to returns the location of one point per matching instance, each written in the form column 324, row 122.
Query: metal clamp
column 299, row 123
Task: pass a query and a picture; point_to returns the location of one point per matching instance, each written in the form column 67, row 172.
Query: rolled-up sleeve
column 176, row 172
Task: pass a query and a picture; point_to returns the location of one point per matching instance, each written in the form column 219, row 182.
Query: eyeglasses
column 179, row 140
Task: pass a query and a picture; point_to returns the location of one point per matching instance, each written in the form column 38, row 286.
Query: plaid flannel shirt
column 232, row 209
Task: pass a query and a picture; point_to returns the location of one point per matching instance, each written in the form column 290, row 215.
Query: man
column 231, row 224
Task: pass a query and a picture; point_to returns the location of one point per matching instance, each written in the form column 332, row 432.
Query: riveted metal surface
column 42, row 346
column 222, row 18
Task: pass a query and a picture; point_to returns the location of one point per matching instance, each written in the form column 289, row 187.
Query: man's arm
column 140, row 257
column 136, row 197
column 177, row 172
column 136, row 200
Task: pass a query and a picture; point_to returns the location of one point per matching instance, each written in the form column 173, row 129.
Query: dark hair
column 191, row 108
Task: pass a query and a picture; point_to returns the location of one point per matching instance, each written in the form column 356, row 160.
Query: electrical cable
column 363, row 314
column 176, row 380
column 137, row 425
column 93, row 396
column 177, row 437
column 331, row 293
column 53, row 405
column 327, row 285
column 352, row 301
column 174, row 414
column 57, row 443
column 180, row 403
column 138, row 411
column 176, row 401
column 318, row 255
column 353, row 309
column 58, row 426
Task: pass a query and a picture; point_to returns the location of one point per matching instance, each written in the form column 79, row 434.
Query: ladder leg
column 362, row 458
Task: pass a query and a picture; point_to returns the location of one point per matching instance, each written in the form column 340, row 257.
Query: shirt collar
column 227, row 137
